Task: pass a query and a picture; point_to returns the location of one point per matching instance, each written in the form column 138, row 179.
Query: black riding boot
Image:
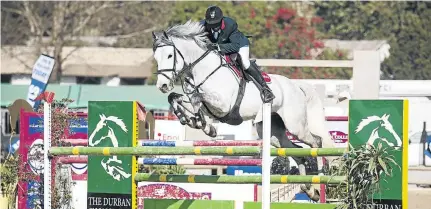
column 265, row 92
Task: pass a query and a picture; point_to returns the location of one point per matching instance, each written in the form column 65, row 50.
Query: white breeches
column 244, row 52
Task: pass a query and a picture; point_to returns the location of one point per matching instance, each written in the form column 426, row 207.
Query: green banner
column 110, row 178
column 383, row 121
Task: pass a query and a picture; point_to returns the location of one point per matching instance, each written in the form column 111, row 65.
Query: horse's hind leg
column 303, row 135
column 278, row 130
column 314, row 142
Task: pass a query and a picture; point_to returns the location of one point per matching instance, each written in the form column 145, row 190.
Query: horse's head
column 169, row 60
column 175, row 49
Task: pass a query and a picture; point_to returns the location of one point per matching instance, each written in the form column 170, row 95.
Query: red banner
column 31, row 156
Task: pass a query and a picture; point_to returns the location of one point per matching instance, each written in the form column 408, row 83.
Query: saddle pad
column 266, row 77
column 233, row 67
column 239, row 74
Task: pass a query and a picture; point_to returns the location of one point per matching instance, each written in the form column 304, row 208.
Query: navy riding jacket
column 230, row 38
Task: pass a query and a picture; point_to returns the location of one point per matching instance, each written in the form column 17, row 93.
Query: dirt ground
column 419, row 198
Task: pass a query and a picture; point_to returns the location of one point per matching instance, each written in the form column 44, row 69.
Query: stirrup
column 267, row 95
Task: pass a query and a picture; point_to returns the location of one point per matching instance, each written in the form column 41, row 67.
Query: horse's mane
column 189, row 30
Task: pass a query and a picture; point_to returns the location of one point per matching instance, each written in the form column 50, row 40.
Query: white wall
column 68, row 80
column 20, row 80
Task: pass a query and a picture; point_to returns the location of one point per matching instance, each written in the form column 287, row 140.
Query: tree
column 62, row 23
column 54, row 20
column 405, row 25
column 279, row 31
column 132, row 23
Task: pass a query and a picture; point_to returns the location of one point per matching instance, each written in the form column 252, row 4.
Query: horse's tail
column 315, row 115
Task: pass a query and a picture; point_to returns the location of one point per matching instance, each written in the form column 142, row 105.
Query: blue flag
column 39, row 78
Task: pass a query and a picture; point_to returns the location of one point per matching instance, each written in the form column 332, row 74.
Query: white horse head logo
column 374, row 135
column 113, row 166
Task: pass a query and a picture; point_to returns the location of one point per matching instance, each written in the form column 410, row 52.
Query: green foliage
column 278, row 31
column 165, row 169
column 364, row 168
column 11, row 171
column 9, row 179
column 405, row 25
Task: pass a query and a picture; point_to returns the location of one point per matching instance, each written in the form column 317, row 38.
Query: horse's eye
column 169, row 56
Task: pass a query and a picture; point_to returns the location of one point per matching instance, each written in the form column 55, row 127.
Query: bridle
column 186, row 68
column 175, row 74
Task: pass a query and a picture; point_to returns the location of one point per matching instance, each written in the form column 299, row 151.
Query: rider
column 227, row 39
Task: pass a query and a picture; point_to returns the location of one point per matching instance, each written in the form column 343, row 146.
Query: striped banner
column 225, row 151
column 160, row 143
column 175, row 161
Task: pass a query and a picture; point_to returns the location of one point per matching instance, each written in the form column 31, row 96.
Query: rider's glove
column 213, row 46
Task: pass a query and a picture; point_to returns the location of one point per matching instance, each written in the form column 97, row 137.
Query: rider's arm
column 235, row 38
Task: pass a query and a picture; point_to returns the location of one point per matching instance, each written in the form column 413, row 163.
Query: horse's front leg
column 181, row 110
column 207, row 128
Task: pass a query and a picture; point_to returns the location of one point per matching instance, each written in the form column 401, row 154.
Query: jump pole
column 266, row 156
column 47, row 179
column 359, row 109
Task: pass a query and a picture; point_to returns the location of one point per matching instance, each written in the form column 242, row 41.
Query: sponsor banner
column 243, row 170
column 383, row 121
column 78, row 130
column 31, row 151
column 339, row 132
column 172, row 130
column 168, row 130
column 203, row 191
column 111, row 124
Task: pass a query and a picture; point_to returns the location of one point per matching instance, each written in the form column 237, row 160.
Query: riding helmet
column 213, row 16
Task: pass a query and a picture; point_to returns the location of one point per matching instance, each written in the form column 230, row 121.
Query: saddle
column 234, row 63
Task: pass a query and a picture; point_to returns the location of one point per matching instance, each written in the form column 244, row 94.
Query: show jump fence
column 113, row 149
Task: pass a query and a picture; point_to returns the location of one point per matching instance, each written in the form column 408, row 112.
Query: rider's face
column 216, row 29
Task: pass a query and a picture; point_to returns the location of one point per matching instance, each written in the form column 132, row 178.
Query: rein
column 186, row 69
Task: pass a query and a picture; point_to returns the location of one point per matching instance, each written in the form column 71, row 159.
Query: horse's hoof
column 316, row 196
column 193, row 123
column 304, row 188
column 312, row 193
column 183, row 121
column 198, row 124
column 213, row 132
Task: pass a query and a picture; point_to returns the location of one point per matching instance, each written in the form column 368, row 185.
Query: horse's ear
column 164, row 33
column 154, row 35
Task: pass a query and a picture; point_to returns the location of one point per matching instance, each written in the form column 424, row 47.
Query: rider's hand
column 213, row 46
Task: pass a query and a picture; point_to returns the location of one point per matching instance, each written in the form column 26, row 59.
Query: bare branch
column 13, row 55
column 32, row 19
column 70, row 53
column 16, row 11
column 90, row 13
column 137, row 33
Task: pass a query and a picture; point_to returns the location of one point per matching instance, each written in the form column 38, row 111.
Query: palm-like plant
column 364, row 167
